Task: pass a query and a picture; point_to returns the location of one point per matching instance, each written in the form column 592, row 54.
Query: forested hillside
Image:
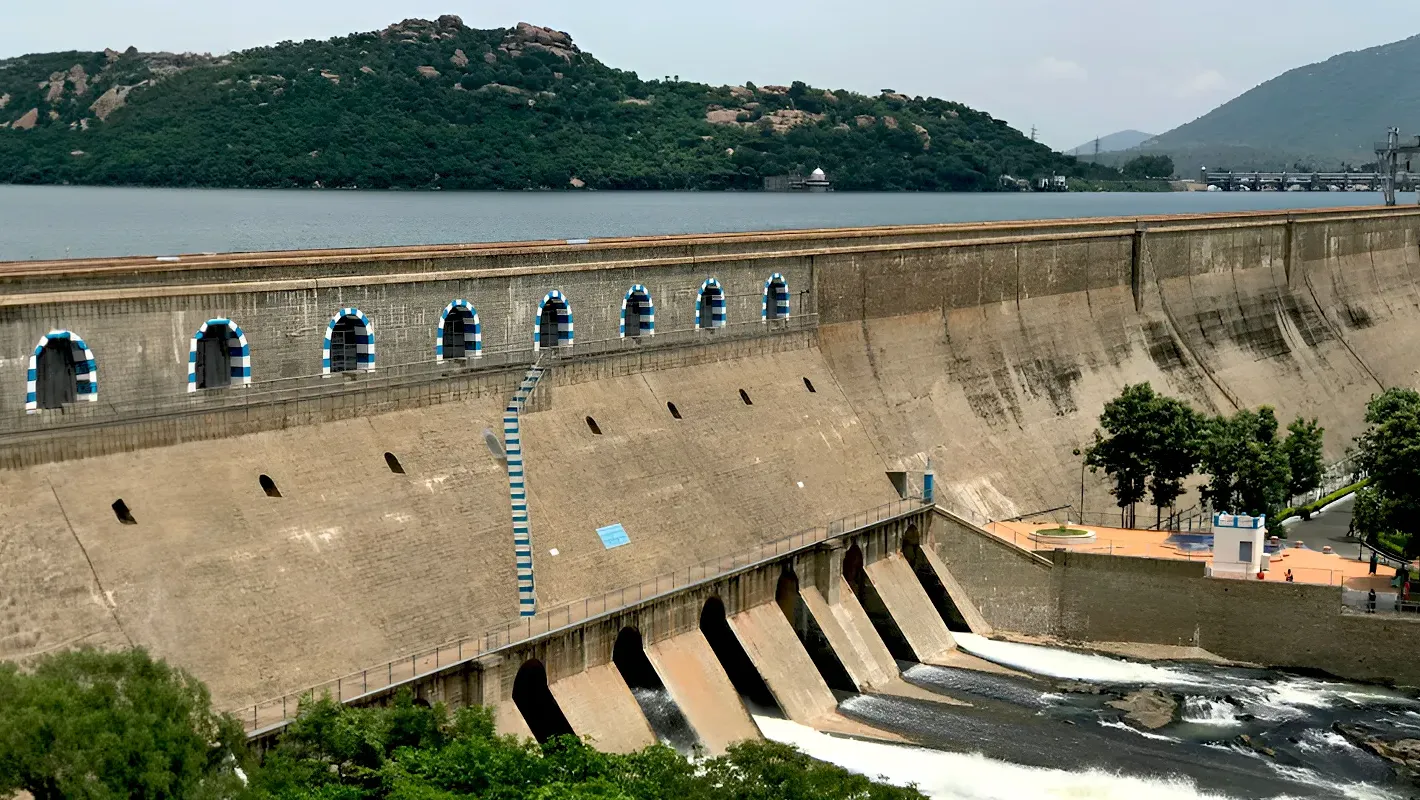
column 1312, row 117
column 439, row 105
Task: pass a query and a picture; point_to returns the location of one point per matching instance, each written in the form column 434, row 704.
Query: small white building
column 818, row 181
column 1238, row 542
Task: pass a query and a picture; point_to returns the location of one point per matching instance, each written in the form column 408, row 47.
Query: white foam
column 1207, row 711
column 1055, row 663
column 1114, row 723
column 960, row 776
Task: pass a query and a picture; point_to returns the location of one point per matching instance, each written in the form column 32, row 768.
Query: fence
column 1333, row 477
column 277, row 711
column 278, row 390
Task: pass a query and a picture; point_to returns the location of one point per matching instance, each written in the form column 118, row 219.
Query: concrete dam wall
column 988, row 348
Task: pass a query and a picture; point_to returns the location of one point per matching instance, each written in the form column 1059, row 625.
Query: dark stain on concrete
column 1357, row 317
column 1164, row 349
column 1054, row 380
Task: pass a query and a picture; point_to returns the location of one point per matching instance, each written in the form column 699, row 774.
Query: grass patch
column 1320, row 503
column 1061, row 530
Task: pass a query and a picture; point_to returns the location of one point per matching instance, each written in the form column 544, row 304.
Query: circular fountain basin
column 1063, row 535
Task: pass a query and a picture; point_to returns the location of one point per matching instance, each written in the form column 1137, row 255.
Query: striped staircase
column 518, row 490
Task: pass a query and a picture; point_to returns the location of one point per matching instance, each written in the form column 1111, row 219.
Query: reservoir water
column 1240, row 733
column 49, row 222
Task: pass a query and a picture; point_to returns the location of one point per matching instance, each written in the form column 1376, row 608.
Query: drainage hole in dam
column 269, row 486
column 745, row 397
column 808, row 384
column 595, row 428
column 873, row 604
column 810, row 634
column 536, row 703
column 392, row 461
column 120, row 510
column 932, row 582
column 675, row 412
column 735, row 661
column 660, row 710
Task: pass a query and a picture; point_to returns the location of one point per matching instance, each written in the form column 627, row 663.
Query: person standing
column 1290, row 579
column 1374, row 559
column 1371, row 601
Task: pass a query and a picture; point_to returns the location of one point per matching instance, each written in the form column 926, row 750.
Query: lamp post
column 1076, row 451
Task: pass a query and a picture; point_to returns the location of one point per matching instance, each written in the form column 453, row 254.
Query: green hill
column 426, row 104
column 1315, row 116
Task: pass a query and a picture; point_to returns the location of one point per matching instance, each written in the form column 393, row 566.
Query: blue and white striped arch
column 554, row 302
column 473, row 325
column 237, row 350
column 86, row 371
column 364, row 340
column 712, row 296
column 645, row 321
column 776, row 299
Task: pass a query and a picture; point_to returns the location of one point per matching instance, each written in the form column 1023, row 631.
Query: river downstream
column 1051, row 734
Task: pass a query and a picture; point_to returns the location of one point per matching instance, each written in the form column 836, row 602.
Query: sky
column 1072, row 69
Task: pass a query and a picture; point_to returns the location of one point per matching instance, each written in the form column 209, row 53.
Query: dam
column 553, row 477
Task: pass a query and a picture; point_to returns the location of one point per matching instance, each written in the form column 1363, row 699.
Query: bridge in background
column 1303, row 181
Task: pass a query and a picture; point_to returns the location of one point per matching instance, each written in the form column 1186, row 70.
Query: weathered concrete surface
column 723, row 478
column 702, row 690
column 598, row 704
column 508, row 720
column 849, row 631
column 784, row 664
column 911, row 608
column 969, row 612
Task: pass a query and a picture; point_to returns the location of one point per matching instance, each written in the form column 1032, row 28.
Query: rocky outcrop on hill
column 414, row 29
column 4, row 100
column 112, row 100
column 428, row 72
column 27, row 121
column 923, row 135
column 535, row 38
column 458, row 59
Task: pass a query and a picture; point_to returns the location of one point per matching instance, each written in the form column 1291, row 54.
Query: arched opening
column 392, row 462
column 269, row 486
column 58, row 382
column 61, row 371
column 350, row 343
column 745, row 397
column 460, row 334
column 811, row 636
column 675, row 412
column 664, row 716
column 710, row 306
column 638, row 313
column 120, row 510
column 594, row 427
column 808, row 384
column 536, row 703
column 213, row 367
column 554, row 322
column 883, row 623
column 733, row 658
column 931, row 582
column 776, row 298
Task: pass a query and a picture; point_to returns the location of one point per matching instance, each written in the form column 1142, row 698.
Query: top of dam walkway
column 732, row 243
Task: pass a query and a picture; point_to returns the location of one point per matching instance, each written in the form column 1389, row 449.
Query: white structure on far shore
column 1238, row 545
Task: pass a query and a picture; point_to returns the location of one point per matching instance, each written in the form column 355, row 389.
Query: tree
column 1389, row 451
column 1149, row 167
column 1176, row 432
column 1303, row 450
column 103, row 725
column 1123, row 454
column 1247, row 469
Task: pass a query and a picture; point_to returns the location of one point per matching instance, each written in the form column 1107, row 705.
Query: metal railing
column 279, row 710
column 307, row 387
